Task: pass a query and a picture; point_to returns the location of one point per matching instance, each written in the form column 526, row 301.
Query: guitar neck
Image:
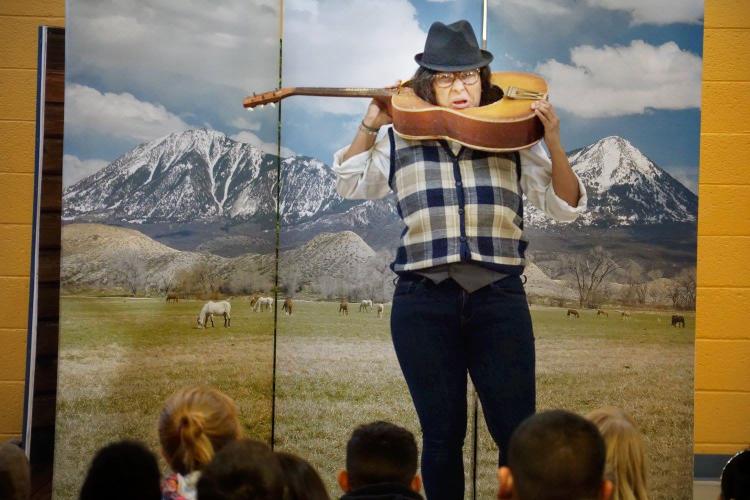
column 277, row 95
column 343, row 92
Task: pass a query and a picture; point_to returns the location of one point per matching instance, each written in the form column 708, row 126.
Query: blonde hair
column 626, row 457
column 196, row 422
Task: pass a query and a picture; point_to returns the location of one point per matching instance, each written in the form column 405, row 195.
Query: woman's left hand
column 546, row 113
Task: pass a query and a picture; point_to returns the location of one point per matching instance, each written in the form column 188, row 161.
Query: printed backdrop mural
column 175, row 195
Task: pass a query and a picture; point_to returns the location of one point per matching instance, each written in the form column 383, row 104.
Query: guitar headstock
column 271, row 97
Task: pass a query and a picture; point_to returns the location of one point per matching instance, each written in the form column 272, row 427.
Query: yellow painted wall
column 722, row 346
column 19, row 20
column 722, row 375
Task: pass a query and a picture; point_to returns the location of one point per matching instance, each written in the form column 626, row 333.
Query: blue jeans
column 441, row 333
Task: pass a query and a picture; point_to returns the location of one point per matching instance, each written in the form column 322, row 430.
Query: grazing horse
column 210, row 308
column 253, row 300
column 573, row 312
column 624, row 315
column 288, row 306
column 379, row 308
column 344, row 306
column 599, row 312
column 173, row 297
column 365, row 305
column 677, row 320
column 263, row 304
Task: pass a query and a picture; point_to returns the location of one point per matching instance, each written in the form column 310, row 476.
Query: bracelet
column 368, row 130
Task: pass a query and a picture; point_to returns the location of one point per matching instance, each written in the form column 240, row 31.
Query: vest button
column 460, row 211
column 463, row 238
column 458, row 183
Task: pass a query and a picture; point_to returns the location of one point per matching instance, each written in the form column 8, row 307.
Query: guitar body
column 508, row 124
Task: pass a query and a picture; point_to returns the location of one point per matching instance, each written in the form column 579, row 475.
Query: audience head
column 243, row 470
column 555, row 455
column 626, row 455
column 120, row 471
column 15, row 481
column 735, row 478
column 196, row 422
column 301, row 479
column 380, row 452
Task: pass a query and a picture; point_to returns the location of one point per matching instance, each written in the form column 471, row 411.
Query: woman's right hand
column 377, row 114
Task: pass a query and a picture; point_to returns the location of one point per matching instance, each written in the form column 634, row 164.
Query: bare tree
column 589, row 270
column 685, row 283
column 131, row 271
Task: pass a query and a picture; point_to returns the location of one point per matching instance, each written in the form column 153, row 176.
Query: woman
column 459, row 306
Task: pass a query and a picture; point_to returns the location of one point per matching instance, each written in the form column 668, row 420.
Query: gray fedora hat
column 452, row 47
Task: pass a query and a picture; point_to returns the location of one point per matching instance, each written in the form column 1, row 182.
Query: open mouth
column 460, row 103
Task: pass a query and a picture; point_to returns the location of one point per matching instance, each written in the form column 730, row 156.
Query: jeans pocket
column 406, row 287
column 511, row 285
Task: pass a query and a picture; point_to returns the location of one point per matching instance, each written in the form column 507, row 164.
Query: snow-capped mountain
column 201, row 175
column 624, row 188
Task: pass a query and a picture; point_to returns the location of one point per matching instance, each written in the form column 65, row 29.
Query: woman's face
column 453, row 91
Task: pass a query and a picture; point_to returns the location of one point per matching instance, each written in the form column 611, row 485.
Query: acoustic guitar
column 508, row 124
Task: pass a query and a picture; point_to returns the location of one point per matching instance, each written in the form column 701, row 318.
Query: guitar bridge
column 519, row 93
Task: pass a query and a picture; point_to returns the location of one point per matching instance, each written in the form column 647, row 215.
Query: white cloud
column 267, row 147
column 656, row 12
column 546, row 7
column 232, row 43
column 90, row 112
column 616, row 81
column 75, row 169
column 348, row 43
column 244, row 123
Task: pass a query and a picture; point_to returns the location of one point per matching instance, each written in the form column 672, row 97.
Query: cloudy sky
column 138, row 70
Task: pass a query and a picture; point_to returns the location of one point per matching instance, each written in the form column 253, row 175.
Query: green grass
column 120, row 358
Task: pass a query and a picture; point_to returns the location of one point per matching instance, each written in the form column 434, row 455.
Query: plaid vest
column 457, row 208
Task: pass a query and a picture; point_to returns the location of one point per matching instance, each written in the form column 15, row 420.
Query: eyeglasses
column 446, row 79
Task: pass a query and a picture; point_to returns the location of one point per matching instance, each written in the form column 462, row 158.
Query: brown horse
column 288, row 306
column 624, row 315
column 573, row 312
column 677, row 320
column 344, row 306
column 173, row 297
column 599, row 312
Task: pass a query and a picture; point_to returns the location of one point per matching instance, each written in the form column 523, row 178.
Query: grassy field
column 119, row 359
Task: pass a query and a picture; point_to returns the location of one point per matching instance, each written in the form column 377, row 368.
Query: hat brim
column 485, row 59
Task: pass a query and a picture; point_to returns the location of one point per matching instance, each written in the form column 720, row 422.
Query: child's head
column 196, row 423
column 380, row 452
column 735, row 478
column 626, row 455
column 302, row 480
column 555, row 454
column 15, row 476
column 244, row 469
column 120, row 471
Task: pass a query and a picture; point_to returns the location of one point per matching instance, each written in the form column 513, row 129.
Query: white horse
column 263, row 304
column 365, row 305
column 210, row 308
column 379, row 308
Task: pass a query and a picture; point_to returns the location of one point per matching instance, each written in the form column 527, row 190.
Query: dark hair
column 301, row 479
column 15, row 476
column 381, row 452
column 735, row 478
column 421, row 83
column 122, row 470
column 242, row 470
column 557, row 455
